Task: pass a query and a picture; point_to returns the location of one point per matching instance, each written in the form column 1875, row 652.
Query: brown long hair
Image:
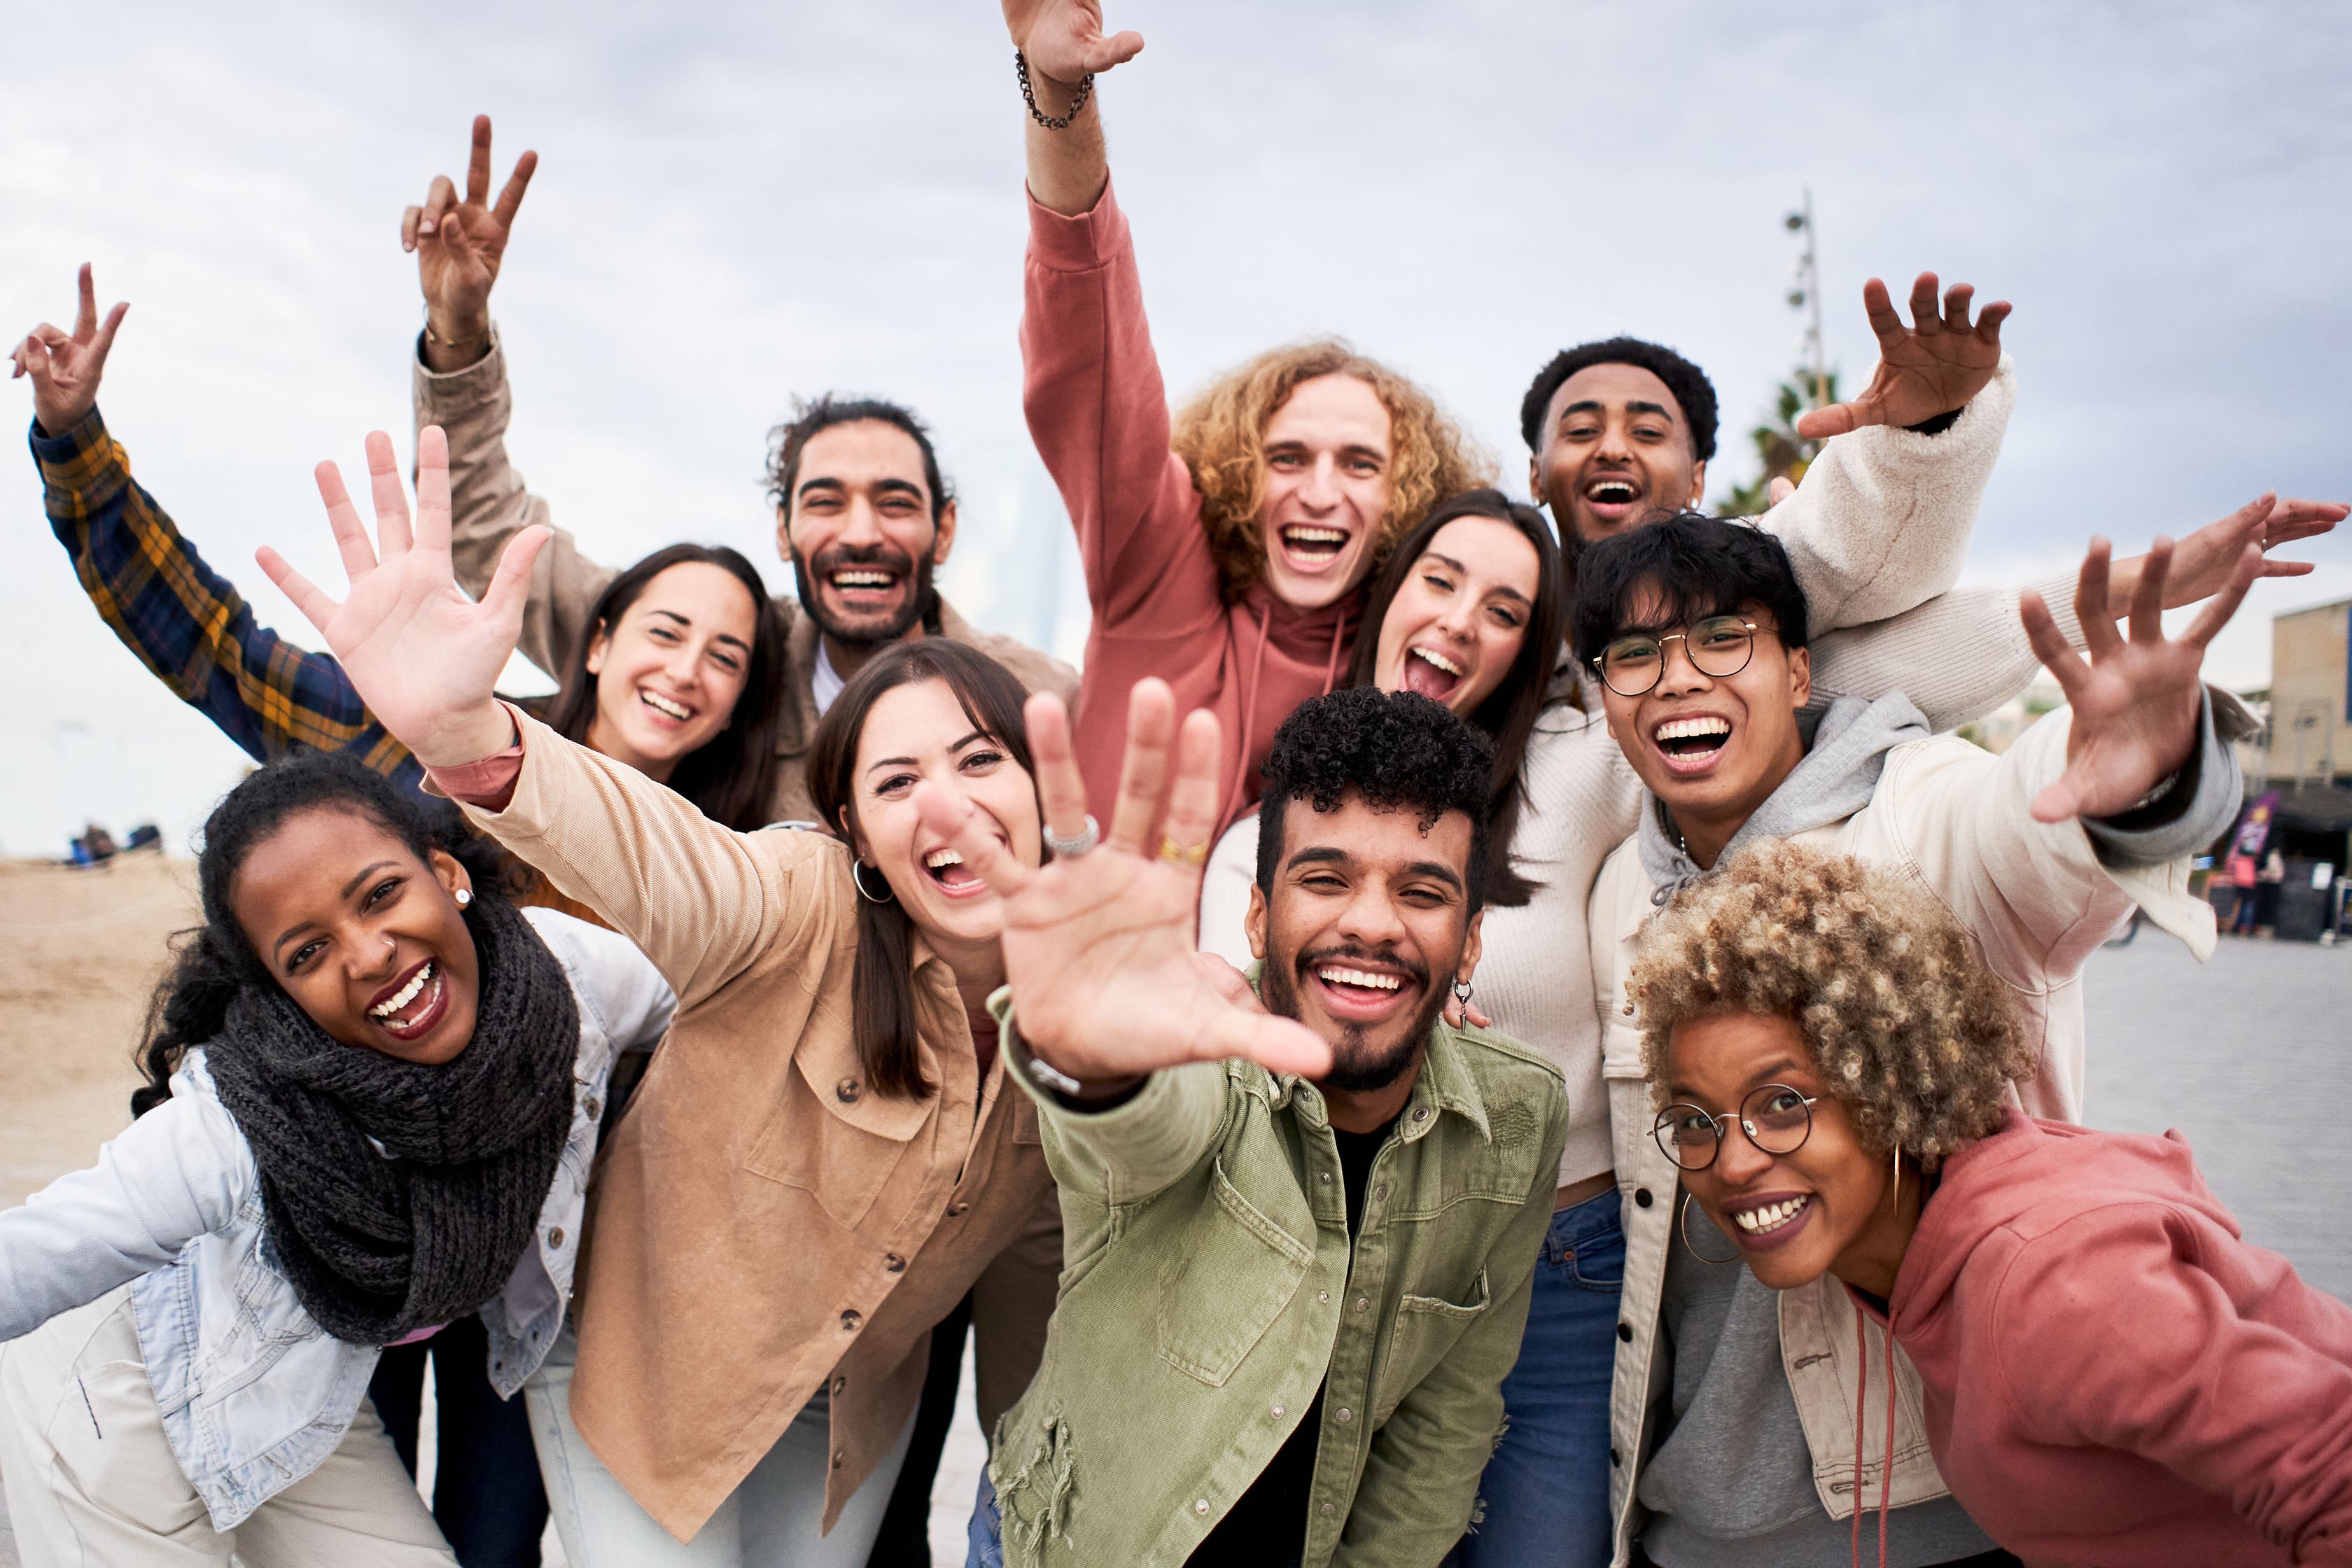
column 732, row 777
column 1509, row 712
column 1220, row 435
column 882, row 980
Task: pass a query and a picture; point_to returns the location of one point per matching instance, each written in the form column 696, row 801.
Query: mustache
column 1347, row 952
column 888, row 557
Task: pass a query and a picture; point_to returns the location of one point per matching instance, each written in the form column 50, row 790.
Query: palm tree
column 1783, row 453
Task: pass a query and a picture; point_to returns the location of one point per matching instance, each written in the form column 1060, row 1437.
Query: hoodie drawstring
column 1231, row 806
column 1862, row 1404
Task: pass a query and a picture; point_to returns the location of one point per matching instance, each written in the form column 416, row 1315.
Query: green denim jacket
column 1208, row 1288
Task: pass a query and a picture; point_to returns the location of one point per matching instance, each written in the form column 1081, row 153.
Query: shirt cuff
column 2196, row 810
column 63, row 446
column 488, row 785
column 1060, row 243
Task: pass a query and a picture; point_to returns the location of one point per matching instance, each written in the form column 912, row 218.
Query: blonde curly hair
column 1220, row 435
column 1918, row 1039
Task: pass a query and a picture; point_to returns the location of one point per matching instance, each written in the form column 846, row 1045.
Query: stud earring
column 465, row 897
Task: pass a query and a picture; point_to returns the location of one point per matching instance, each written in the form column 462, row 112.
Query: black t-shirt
column 1267, row 1526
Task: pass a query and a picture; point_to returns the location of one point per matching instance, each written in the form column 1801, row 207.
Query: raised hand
column 2136, row 700
column 459, row 247
column 1064, row 38
column 1923, row 370
column 1099, row 947
column 66, row 367
column 2204, row 562
column 422, row 656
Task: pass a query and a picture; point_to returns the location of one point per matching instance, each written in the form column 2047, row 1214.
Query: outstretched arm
column 1063, row 49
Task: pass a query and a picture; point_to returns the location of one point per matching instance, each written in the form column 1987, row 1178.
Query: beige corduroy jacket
column 761, row 1220
column 489, row 506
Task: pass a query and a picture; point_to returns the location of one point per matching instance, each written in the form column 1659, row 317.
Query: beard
column 1362, row 1061
column 868, row 633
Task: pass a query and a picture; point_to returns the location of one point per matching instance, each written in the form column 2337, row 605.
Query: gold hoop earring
column 857, row 875
column 1691, row 1247
column 1898, row 1178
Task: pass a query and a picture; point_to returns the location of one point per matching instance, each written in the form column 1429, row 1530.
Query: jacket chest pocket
column 1426, row 1328
column 841, row 1165
column 1220, row 1293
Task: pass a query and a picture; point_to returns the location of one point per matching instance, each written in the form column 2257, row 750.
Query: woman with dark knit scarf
column 373, row 1101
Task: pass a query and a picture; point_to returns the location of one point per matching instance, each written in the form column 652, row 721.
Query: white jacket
column 254, row 1393
column 2039, row 900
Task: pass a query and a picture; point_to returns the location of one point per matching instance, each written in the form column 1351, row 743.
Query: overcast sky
column 740, row 203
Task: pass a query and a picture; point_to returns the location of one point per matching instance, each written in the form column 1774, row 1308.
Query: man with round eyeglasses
column 1732, row 1425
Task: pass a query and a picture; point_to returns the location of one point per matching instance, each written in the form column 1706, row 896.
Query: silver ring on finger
column 1070, row 849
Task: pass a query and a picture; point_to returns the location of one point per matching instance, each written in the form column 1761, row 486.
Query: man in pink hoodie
column 2111, row 1374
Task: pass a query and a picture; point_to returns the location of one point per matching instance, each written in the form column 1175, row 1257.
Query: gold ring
column 1175, row 853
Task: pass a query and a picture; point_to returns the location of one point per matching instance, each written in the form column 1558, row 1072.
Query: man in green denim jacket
column 1214, row 1158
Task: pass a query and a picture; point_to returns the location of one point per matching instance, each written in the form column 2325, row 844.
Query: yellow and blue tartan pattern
column 188, row 624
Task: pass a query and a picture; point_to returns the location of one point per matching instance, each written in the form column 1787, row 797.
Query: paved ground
column 2250, row 1056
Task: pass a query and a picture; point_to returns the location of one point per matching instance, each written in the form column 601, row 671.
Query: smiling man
column 862, row 513
column 1732, row 1435
column 1290, row 1300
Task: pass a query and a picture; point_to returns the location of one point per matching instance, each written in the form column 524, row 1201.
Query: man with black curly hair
column 1301, row 1235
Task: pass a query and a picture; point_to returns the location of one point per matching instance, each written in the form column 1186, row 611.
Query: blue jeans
column 986, row 1531
column 1546, row 1491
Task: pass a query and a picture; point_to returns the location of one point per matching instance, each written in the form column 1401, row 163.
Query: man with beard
column 863, row 512
column 1300, row 1235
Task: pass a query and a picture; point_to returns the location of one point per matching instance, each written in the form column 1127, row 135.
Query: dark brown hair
column 1508, row 714
column 732, row 777
column 882, row 981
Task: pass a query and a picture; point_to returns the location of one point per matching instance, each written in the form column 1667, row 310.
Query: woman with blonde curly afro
column 2111, row 1373
column 1227, row 550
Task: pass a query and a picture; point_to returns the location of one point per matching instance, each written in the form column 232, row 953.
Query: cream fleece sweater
column 1881, row 522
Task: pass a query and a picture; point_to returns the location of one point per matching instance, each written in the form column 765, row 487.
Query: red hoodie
column 1098, row 414
column 2112, row 1375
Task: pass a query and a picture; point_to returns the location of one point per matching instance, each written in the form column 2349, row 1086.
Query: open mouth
column 1612, row 498
column 668, row 709
column 1691, row 745
column 954, row 879
column 1430, row 673
column 1761, row 1226
column 1310, row 547
column 1360, row 992
column 864, row 586
column 409, row 1007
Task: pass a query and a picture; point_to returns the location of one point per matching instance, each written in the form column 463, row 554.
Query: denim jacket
column 254, row 1393
column 1210, row 1287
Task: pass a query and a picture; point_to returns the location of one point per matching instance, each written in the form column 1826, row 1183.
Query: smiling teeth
column 861, row 579
column 407, row 993
column 1771, row 1217
column 1611, row 492
column 1691, row 729
column 1316, row 536
column 1439, row 659
column 938, row 858
column 1360, row 978
column 661, row 704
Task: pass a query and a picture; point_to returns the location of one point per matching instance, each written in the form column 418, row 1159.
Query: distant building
column 1999, row 730
column 2311, row 697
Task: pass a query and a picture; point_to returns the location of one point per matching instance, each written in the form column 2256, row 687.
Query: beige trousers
column 90, row 1478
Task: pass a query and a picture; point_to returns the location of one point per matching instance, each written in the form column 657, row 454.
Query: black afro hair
column 1685, row 380
column 1393, row 750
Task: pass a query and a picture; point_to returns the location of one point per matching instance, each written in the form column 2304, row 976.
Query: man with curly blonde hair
column 1731, row 1419
column 2110, row 1372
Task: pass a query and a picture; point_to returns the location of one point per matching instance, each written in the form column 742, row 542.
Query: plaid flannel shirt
column 188, row 624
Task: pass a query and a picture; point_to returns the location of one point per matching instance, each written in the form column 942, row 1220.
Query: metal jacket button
column 959, row 1208
column 1277, row 1412
column 846, row 1090
column 850, row 1320
column 1201, row 1505
column 840, row 1458
column 596, row 1107
column 555, row 1238
column 839, row 1384
column 1642, row 1198
column 893, row 1264
column 1343, row 1415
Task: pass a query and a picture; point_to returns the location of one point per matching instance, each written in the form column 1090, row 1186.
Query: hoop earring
column 1898, row 1179
column 857, row 875
column 1695, row 1252
column 1462, row 991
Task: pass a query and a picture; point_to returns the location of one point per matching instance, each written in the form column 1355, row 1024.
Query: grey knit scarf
column 379, row 1245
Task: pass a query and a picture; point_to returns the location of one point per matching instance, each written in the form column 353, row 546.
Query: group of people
column 1458, row 1038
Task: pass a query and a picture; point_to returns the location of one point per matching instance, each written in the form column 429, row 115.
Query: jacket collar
column 1443, row 1083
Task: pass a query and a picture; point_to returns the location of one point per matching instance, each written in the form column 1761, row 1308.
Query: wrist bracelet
column 1078, row 100
column 437, row 341
column 2152, row 797
column 1052, row 1077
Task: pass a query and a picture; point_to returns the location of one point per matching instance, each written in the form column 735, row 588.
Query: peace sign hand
column 2135, row 701
column 422, row 656
column 1932, row 368
column 65, row 368
column 1099, row 947
column 460, row 245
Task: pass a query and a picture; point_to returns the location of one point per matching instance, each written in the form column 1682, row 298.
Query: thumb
column 509, row 588
column 1116, row 51
column 1837, row 419
column 2059, row 801
column 1277, row 1045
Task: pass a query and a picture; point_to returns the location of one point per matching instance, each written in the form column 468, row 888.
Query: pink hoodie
column 2112, row 1375
column 1098, row 415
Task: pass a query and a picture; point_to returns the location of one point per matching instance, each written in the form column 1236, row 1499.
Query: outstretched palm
column 2135, row 701
column 422, row 656
column 1064, row 38
column 1099, row 947
column 1931, row 368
